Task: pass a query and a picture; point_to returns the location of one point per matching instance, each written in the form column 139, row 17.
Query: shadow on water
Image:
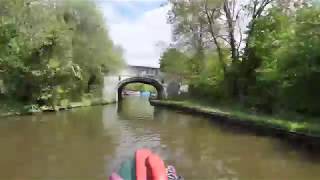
column 308, row 148
column 135, row 108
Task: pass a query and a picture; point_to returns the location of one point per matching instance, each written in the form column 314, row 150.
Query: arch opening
column 156, row 84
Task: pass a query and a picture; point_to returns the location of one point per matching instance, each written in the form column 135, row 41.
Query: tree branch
column 224, row 38
column 230, row 23
column 210, row 18
column 260, row 10
column 241, row 39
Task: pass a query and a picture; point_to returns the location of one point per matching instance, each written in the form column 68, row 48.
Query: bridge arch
column 145, row 80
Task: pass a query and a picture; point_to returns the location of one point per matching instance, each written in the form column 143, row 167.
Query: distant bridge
column 114, row 85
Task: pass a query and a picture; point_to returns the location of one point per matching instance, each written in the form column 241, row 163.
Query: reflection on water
column 89, row 143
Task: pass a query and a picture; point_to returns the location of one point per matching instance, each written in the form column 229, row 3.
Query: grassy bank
column 15, row 108
column 305, row 127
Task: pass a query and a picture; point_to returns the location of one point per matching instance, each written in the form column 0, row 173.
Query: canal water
column 89, row 143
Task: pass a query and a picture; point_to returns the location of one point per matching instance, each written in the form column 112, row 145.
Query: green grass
column 305, row 126
column 11, row 107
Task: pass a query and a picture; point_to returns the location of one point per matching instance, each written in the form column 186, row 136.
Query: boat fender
column 156, row 168
column 141, row 169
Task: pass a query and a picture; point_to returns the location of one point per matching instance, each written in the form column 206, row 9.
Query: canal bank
column 305, row 130
column 17, row 110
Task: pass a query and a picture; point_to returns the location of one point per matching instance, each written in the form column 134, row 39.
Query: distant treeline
column 261, row 54
column 140, row 87
column 53, row 50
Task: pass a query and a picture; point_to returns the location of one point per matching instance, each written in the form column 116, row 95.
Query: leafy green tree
column 54, row 56
column 93, row 50
column 140, row 87
column 287, row 51
column 175, row 63
column 272, row 64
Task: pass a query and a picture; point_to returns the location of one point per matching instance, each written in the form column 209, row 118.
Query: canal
column 89, row 143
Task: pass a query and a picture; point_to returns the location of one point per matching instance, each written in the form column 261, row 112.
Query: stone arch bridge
column 114, row 84
column 145, row 80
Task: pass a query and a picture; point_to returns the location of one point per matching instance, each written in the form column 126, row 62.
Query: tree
column 54, row 56
column 285, row 47
column 218, row 27
column 175, row 63
column 189, row 30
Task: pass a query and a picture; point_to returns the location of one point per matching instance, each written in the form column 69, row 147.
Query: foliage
column 174, row 62
column 294, row 64
column 140, row 87
column 53, row 50
column 271, row 65
column 210, row 83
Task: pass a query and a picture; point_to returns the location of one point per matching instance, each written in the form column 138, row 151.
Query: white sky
column 138, row 26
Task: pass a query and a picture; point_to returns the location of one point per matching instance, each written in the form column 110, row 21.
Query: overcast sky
column 138, row 26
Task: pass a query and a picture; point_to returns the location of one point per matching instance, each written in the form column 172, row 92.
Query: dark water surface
column 89, row 143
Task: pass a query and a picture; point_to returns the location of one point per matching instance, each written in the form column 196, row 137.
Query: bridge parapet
column 141, row 71
column 122, row 77
column 113, row 84
column 132, row 74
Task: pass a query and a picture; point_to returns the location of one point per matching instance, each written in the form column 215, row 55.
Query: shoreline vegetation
column 309, row 129
column 268, row 78
column 50, row 61
column 18, row 110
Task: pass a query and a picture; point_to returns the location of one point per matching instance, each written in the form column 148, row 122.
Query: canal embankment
column 16, row 109
column 297, row 129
